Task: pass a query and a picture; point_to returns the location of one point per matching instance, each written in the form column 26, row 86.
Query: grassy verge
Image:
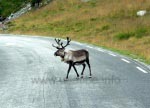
column 109, row 23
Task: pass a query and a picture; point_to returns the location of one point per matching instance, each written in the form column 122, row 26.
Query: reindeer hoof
column 81, row 76
column 66, row 79
column 77, row 77
column 90, row 76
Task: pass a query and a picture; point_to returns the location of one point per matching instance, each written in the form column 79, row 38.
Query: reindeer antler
column 68, row 42
column 58, row 41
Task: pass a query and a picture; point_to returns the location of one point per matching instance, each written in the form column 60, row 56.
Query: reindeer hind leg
column 84, row 65
column 88, row 63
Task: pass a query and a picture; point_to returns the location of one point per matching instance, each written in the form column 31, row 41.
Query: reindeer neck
column 63, row 55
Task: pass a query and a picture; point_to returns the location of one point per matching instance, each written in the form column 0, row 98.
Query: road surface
column 32, row 77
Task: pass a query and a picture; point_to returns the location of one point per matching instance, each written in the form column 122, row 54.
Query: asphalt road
column 32, row 77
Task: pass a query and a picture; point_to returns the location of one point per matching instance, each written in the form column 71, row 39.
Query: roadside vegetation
column 11, row 6
column 8, row 7
column 111, row 24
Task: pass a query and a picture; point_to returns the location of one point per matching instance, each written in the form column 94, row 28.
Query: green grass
column 138, row 33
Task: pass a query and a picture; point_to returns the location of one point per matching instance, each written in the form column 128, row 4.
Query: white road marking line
column 141, row 70
column 98, row 49
column 89, row 46
column 78, row 43
column 10, row 44
column 112, row 54
column 125, row 60
column 101, row 50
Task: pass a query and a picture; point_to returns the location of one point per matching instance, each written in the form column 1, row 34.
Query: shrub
column 122, row 36
column 140, row 32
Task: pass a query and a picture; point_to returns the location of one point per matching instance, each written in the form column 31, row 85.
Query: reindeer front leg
column 70, row 65
column 76, row 71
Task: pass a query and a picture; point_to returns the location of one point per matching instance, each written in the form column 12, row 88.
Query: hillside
column 15, row 5
column 109, row 23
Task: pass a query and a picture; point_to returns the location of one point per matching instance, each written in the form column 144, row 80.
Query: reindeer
column 77, row 57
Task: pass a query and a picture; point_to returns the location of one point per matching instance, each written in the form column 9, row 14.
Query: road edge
column 136, row 61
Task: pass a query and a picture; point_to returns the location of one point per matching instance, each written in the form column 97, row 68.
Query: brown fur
column 77, row 57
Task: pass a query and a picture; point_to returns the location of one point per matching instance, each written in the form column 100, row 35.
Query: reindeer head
column 61, row 48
